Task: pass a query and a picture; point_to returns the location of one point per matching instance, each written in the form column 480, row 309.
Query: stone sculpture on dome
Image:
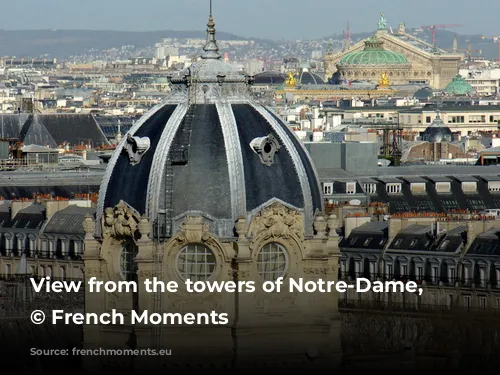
column 382, row 22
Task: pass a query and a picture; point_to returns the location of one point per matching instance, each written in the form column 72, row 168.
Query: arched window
column 128, row 266
column 196, row 262
column 272, row 261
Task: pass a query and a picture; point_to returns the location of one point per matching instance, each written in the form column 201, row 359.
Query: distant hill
column 63, row 43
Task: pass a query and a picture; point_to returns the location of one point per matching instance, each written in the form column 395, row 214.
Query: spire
column 211, row 49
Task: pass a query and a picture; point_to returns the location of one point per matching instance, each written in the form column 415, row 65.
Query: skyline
column 258, row 19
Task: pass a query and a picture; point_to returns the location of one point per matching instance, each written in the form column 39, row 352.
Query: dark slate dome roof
column 269, row 78
column 437, row 132
column 424, row 93
column 210, row 149
column 308, row 78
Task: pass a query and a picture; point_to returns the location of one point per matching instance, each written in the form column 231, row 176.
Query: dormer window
column 469, row 187
column 353, row 241
column 367, row 241
column 351, row 188
column 443, row 187
column 328, row 188
column 417, row 187
column 370, row 188
column 413, row 243
column 398, row 242
column 494, row 186
column 393, row 188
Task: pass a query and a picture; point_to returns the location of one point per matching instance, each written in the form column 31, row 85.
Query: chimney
column 470, row 233
column 51, row 207
column 18, row 206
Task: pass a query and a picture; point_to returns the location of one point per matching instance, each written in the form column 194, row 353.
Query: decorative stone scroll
column 120, row 221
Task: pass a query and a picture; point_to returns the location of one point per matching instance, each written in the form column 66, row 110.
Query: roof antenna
column 210, row 8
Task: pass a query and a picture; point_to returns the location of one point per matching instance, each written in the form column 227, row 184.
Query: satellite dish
column 355, row 202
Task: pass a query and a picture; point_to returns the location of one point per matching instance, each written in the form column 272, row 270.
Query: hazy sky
column 252, row 18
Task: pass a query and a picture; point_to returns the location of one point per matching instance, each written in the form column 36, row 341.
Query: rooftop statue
column 384, row 81
column 291, row 81
column 382, row 22
column 402, row 28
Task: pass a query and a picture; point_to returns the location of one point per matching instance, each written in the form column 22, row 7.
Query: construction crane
column 468, row 52
column 433, row 28
column 495, row 39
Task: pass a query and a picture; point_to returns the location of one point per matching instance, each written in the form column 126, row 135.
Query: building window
column 435, row 274
column 405, row 270
column 272, row 262
column 370, row 188
column 413, row 243
column 482, row 302
column 393, row 188
column 398, row 242
column 467, row 303
column 456, row 119
column 7, row 269
column 128, row 267
column 428, row 119
column 420, row 273
column 353, row 241
column 367, row 241
column 195, row 262
column 389, row 271
column 477, row 118
column 351, row 188
column 328, row 188
column 453, row 275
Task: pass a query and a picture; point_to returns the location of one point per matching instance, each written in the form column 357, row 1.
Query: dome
column 437, row 132
column 308, row 78
column 210, row 149
column 269, row 78
column 424, row 93
column 458, row 86
column 373, row 54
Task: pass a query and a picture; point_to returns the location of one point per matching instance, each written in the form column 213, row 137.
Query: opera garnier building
column 404, row 58
column 211, row 186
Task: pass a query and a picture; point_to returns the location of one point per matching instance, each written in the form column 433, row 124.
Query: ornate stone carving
column 316, row 271
column 277, row 221
column 194, row 230
column 89, row 227
column 333, row 224
column 136, row 147
column 145, row 227
column 120, row 221
column 320, row 226
column 241, row 227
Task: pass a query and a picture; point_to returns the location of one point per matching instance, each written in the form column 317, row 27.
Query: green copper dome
column 458, row 86
column 374, row 54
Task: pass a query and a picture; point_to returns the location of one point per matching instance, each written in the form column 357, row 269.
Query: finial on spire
column 211, row 49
